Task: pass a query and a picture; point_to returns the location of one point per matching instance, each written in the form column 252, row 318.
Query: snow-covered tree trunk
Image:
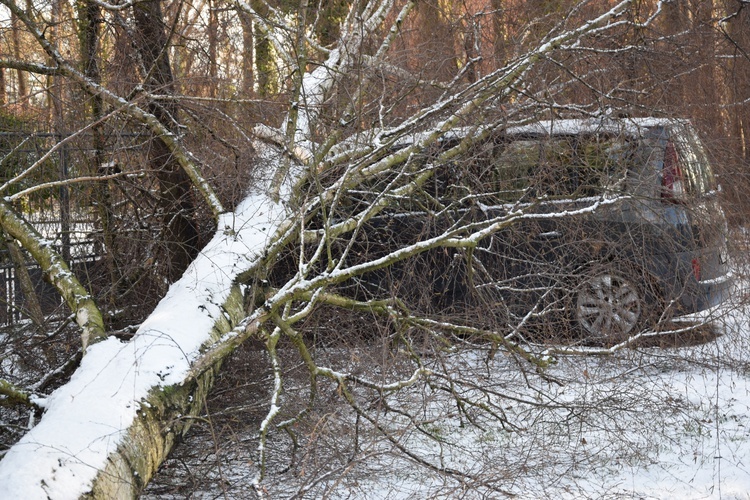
column 107, row 430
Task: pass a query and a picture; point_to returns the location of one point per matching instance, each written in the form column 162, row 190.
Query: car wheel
column 609, row 306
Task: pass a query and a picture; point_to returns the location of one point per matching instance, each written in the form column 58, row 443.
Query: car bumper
column 707, row 294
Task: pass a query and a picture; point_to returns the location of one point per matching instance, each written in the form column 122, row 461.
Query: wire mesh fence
column 14, row 304
column 63, row 214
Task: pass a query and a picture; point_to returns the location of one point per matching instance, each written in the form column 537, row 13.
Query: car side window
column 561, row 167
column 512, row 167
column 601, row 165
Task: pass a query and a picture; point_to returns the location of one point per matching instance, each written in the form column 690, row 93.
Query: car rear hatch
column 689, row 186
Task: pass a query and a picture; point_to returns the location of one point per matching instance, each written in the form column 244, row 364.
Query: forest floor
column 664, row 419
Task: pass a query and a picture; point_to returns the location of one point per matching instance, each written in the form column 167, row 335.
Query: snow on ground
column 648, row 422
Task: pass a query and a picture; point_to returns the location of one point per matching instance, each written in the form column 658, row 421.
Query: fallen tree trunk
column 163, row 417
column 105, row 432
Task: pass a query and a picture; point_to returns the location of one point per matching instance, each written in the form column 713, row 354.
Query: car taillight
column 696, row 269
column 672, row 181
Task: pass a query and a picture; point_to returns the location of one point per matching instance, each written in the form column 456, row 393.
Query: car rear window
column 694, row 162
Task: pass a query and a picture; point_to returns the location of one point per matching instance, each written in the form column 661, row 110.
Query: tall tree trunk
column 471, row 44
column 213, row 41
column 675, row 22
column 705, row 95
column 89, row 14
column 22, row 93
column 738, row 30
column 248, row 51
column 435, row 38
column 179, row 234
column 499, row 32
column 264, row 68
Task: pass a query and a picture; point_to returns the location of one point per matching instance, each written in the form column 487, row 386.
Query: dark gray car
column 606, row 226
column 643, row 236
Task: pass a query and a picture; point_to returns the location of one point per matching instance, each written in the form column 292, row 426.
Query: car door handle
column 549, row 235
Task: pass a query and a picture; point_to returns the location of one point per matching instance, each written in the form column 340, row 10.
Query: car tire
column 610, row 304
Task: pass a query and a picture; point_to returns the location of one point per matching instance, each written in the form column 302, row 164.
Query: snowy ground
column 668, row 421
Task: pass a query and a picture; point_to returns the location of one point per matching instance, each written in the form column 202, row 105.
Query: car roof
column 627, row 126
column 634, row 127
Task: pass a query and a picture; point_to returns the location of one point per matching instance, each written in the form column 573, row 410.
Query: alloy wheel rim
column 608, row 306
